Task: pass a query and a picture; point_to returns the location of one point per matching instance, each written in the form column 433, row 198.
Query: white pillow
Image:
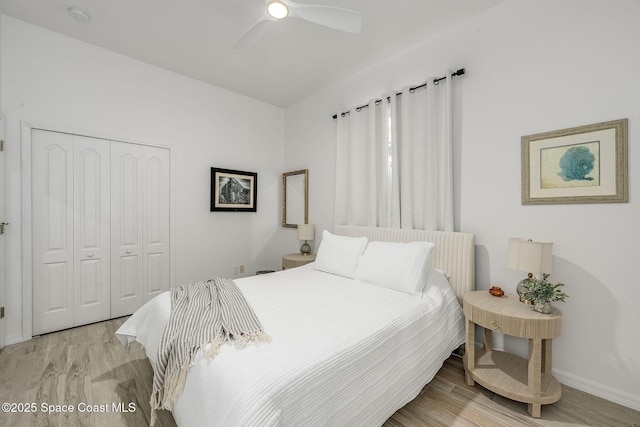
column 339, row 254
column 399, row 266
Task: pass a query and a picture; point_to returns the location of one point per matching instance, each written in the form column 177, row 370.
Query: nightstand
column 296, row 260
column 529, row 381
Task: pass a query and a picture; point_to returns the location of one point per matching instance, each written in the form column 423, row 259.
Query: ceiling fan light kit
column 333, row 17
column 277, row 10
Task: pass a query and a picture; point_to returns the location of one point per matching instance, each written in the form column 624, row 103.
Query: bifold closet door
column 70, row 211
column 140, row 184
column 92, row 240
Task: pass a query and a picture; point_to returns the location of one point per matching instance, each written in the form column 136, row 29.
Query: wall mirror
column 295, row 198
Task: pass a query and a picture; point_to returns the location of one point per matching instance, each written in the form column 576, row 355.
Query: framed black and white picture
column 233, row 191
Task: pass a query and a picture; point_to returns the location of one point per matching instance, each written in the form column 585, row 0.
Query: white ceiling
column 292, row 60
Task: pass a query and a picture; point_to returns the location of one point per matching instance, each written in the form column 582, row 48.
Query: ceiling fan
column 328, row 16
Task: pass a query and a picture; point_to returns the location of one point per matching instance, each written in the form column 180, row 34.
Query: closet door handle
column 128, row 251
column 90, row 254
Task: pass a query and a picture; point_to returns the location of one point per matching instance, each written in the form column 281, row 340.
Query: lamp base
column 520, row 290
column 305, row 249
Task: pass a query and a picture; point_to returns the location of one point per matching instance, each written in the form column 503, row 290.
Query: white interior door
column 126, row 228
column 98, row 233
column 140, row 185
column 155, row 235
column 52, row 218
column 92, row 294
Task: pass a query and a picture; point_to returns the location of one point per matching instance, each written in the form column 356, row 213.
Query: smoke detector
column 79, row 14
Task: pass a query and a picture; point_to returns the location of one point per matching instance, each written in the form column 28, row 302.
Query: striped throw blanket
column 203, row 316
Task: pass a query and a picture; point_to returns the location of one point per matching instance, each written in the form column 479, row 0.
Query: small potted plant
column 543, row 293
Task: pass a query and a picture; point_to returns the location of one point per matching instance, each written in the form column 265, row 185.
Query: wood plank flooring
column 87, row 365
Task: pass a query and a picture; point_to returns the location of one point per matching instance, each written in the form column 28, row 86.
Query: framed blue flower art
column 586, row 164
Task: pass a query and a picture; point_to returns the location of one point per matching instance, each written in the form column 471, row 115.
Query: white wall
column 533, row 66
column 54, row 80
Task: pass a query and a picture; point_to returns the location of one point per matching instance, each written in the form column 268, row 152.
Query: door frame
column 27, row 237
column 3, row 257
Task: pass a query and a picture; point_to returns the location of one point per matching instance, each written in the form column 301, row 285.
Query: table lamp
column 306, row 232
column 532, row 257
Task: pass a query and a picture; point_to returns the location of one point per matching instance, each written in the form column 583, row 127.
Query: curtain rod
column 460, row 72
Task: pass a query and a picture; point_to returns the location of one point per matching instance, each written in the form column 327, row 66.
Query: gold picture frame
column 586, row 164
column 295, row 198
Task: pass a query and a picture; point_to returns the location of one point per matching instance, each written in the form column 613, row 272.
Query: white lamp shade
column 529, row 256
column 306, row 231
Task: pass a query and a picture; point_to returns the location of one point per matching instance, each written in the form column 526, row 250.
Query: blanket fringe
column 166, row 397
column 213, row 347
column 256, row 338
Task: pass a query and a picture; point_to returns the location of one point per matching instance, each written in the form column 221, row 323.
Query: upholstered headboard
column 454, row 252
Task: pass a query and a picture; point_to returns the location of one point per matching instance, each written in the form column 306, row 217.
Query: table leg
column 546, row 356
column 470, row 351
column 488, row 340
column 535, row 376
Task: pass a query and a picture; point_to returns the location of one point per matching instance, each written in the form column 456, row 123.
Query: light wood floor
column 88, row 365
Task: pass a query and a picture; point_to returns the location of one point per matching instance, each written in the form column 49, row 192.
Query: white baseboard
column 620, row 397
column 13, row 339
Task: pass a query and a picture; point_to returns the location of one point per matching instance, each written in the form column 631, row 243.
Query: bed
column 343, row 351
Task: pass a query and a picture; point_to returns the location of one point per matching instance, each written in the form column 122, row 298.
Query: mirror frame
column 285, row 175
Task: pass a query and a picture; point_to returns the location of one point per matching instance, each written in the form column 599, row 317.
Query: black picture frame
column 233, row 190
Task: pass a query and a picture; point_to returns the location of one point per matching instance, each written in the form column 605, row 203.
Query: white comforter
column 343, row 353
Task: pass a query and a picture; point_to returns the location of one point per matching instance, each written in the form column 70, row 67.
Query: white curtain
column 394, row 165
column 361, row 157
column 425, row 156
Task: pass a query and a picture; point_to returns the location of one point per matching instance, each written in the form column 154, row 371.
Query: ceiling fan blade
column 254, row 33
column 328, row 16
